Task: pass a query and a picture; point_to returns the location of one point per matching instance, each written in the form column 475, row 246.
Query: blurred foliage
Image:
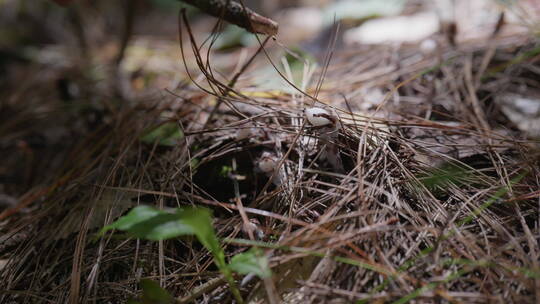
column 252, row 261
column 166, row 134
column 449, row 173
column 233, row 36
column 361, row 9
column 152, row 293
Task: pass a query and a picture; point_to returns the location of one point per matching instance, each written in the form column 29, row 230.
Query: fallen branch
column 236, row 13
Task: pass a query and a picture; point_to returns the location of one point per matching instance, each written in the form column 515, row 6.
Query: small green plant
column 153, row 224
column 225, row 171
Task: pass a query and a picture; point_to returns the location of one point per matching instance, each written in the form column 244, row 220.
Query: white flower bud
column 318, row 117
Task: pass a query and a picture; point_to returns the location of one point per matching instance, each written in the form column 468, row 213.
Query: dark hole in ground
column 216, row 177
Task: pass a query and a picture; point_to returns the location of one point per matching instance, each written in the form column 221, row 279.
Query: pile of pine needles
column 428, row 193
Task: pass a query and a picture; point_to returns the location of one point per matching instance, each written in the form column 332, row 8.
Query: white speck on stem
column 428, row 46
column 267, row 162
column 243, row 133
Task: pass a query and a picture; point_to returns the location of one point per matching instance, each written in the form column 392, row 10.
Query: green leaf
column 200, row 220
column 161, row 227
column 149, row 223
column 166, row 134
column 252, row 261
column 146, row 222
column 153, row 293
column 136, row 216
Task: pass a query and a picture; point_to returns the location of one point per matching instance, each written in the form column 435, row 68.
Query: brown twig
column 237, row 13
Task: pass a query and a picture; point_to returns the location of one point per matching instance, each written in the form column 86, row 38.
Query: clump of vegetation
column 148, row 223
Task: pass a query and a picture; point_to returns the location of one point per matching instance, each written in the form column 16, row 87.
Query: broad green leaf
column 136, row 216
column 152, row 224
column 200, row 221
column 166, row 134
column 149, row 223
column 252, row 261
column 161, row 227
column 153, row 293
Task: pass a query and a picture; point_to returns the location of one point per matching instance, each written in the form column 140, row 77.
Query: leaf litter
column 430, row 194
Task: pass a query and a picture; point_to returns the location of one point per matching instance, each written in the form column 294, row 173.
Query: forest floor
column 420, row 181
